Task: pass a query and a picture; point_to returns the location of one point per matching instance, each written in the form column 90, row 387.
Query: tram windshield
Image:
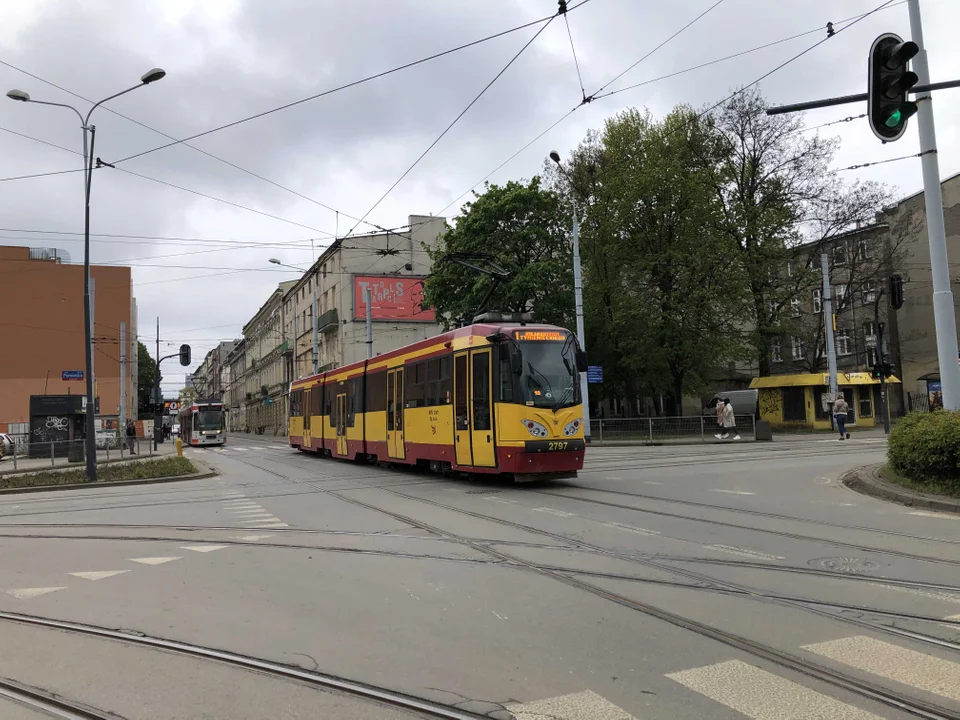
column 549, row 378
column 210, row 420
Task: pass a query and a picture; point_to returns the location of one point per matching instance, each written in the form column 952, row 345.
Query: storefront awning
column 817, row 379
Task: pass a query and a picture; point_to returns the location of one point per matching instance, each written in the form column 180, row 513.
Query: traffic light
column 896, row 291
column 888, row 82
column 887, row 370
column 877, row 372
column 184, row 355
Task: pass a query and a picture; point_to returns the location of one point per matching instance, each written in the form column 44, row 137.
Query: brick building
column 42, row 331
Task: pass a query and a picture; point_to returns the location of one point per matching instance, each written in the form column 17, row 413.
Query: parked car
column 175, row 430
column 6, row 445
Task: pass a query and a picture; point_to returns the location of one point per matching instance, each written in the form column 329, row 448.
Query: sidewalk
column 145, row 450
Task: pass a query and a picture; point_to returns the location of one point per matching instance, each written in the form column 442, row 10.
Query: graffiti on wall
column 51, row 428
column 771, row 402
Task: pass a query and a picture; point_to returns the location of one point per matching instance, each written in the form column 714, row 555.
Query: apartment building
column 266, row 377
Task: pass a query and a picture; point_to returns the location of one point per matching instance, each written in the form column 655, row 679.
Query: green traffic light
column 893, row 120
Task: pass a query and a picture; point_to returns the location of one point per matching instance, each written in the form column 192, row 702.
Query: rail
column 27, row 452
column 655, row 430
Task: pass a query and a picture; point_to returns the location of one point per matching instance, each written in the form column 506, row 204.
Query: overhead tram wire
column 851, row 20
column 576, row 63
column 463, row 112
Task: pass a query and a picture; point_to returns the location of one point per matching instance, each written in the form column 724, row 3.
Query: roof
column 816, row 379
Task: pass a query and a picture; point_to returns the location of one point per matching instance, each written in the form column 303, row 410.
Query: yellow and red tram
column 496, row 397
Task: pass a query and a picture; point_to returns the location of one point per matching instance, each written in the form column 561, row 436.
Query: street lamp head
column 152, row 76
column 275, row 261
column 18, row 95
column 555, row 156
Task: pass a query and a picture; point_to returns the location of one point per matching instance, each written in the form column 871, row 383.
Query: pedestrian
column 729, row 421
column 719, row 434
column 131, row 437
column 840, row 410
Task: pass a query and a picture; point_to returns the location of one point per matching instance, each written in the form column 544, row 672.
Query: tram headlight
column 572, row 427
column 535, row 428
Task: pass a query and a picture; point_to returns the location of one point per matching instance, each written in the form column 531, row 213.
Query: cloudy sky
column 200, row 263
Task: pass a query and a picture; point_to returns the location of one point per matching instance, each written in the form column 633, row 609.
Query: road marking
column 833, row 502
column 153, row 560
column 251, row 513
column 933, row 674
column 734, row 492
column 952, row 619
column 651, row 482
column 199, row 451
column 274, row 525
column 933, row 594
column 762, row 695
column 27, row 593
column 823, row 480
column 551, row 511
column 631, row 528
column 499, row 500
column 942, row 516
column 262, row 519
column 203, row 548
column 99, row 575
column 242, row 505
column 240, row 449
column 250, row 538
column 586, row 705
column 743, row 552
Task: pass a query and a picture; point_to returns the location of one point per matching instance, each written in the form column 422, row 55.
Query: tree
column 777, row 192
column 523, row 228
column 661, row 299
column 146, row 377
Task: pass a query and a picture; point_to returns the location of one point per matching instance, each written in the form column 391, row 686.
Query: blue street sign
column 72, row 375
column 595, row 374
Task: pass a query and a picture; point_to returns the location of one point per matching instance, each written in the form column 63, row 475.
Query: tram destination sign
column 541, row 335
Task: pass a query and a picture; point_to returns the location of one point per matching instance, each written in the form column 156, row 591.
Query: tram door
column 395, row 446
column 473, row 409
column 342, row 424
column 307, row 406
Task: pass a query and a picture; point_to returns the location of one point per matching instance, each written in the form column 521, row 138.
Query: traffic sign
column 72, row 375
column 595, row 374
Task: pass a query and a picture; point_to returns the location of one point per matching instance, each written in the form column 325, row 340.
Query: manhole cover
column 481, row 492
column 844, row 564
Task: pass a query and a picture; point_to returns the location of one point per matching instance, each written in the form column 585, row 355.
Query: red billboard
column 391, row 298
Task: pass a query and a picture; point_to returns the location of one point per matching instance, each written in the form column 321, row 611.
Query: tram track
column 50, row 704
column 321, row 681
column 873, row 691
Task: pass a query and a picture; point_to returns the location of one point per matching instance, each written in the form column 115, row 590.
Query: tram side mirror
column 581, row 357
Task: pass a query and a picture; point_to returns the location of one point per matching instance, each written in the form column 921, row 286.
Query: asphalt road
column 723, row 581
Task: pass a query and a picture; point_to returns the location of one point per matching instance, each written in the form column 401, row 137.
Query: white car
column 175, row 430
column 6, row 445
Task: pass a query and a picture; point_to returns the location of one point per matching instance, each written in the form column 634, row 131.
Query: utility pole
column 943, row 309
column 157, row 409
column 367, row 301
column 315, row 319
column 881, row 362
column 828, row 326
column 123, row 381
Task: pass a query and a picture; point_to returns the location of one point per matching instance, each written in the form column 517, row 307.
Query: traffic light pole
column 880, row 362
column 944, row 314
column 859, row 97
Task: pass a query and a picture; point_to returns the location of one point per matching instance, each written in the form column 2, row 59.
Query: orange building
column 41, row 332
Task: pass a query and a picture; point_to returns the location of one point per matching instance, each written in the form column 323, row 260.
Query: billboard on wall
column 391, row 298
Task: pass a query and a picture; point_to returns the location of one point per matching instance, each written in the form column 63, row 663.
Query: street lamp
column 85, row 127
column 577, row 297
column 316, row 346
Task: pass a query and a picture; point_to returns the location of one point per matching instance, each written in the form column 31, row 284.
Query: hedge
column 925, row 447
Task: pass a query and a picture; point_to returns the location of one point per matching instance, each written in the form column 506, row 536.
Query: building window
column 844, row 341
column 795, row 307
column 869, row 292
column 323, row 270
column 772, row 308
column 841, row 293
column 818, row 300
column 796, row 346
column 840, row 253
column 864, row 250
column 776, row 351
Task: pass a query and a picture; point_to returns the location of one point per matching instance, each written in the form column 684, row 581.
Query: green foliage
column 660, row 282
column 525, row 230
column 146, row 376
column 137, row 470
column 925, row 447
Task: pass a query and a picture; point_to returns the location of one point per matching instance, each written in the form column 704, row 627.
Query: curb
column 867, row 480
column 208, row 473
column 14, row 473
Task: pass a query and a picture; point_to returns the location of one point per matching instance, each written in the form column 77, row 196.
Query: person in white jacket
column 729, row 421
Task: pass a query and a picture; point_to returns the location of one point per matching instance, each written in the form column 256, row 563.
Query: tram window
column 353, row 392
column 481, row 391
column 463, row 420
column 506, row 375
column 446, row 380
column 391, row 395
column 376, row 400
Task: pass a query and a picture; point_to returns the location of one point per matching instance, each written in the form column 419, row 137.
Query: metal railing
column 28, row 453
column 654, row 430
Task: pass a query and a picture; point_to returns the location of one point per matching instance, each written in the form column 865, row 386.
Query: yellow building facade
column 802, row 401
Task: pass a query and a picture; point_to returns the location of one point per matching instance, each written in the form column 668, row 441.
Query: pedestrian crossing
column 239, row 449
column 762, row 694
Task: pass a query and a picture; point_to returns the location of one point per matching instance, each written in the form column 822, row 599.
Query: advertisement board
column 391, row 298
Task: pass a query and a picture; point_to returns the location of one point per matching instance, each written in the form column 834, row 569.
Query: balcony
column 329, row 320
column 285, row 348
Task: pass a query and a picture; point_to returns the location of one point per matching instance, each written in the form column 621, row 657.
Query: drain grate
column 845, row 564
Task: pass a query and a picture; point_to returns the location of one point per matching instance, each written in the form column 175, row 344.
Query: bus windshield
column 210, row 419
column 549, row 377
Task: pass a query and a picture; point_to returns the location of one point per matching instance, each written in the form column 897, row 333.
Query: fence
column 694, row 429
column 25, row 453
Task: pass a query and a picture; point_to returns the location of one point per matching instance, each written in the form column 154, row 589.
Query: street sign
column 595, row 374
column 72, row 375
